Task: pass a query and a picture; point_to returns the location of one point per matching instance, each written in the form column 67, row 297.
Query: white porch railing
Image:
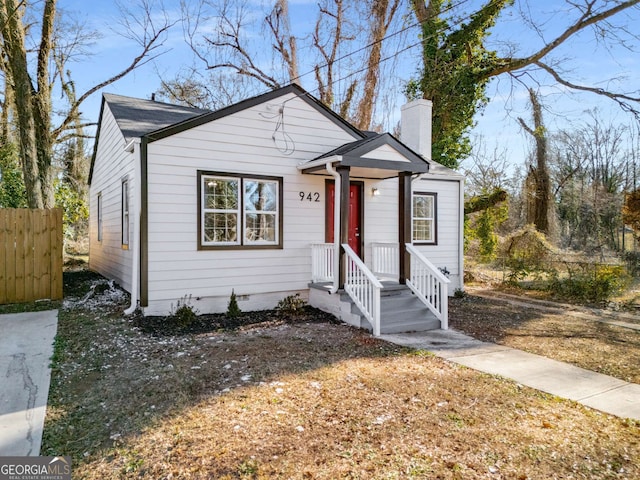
column 322, row 262
column 363, row 287
column 384, row 260
column 429, row 285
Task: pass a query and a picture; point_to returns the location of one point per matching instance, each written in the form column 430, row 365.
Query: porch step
column 400, row 311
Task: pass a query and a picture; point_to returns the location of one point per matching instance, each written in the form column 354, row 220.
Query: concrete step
column 408, row 319
column 400, row 311
column 421, row 326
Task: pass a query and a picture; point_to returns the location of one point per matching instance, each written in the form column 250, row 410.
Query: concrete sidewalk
column 594, row 390
column 26, row 346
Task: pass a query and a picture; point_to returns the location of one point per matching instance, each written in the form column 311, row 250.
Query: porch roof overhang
column 375, row 157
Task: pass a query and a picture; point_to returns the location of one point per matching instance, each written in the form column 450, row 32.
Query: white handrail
column 429, row 285
column 322, row 262
column 385, row 259
column 363, row 287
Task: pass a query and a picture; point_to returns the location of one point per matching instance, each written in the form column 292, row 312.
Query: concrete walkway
column 26, row 346
column 594, row 390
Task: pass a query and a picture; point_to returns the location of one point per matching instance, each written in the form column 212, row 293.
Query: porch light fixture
column 375, row 192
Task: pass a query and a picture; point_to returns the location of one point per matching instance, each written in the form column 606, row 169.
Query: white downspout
column 134, row 146
column 336, row 226
column 461, row 234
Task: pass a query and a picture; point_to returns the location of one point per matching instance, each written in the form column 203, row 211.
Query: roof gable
column 379, row 152
column 210, row 116
column 137, row 117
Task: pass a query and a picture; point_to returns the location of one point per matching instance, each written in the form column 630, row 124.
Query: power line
column 386, row 37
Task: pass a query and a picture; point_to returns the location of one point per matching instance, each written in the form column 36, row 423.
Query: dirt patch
column 564, row 336
column 303, row 399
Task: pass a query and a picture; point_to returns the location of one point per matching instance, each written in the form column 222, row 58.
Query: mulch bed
column 170, row 326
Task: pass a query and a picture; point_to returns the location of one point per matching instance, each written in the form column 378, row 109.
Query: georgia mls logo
column 59, row 465
column 35, row 468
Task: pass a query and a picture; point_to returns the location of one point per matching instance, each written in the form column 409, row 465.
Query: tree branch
column 151, row 43
column 620, row 98
column 588, row 18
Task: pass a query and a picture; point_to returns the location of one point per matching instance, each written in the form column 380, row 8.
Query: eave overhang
column 377, row 157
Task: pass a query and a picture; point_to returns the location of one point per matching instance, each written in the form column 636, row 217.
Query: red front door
column 355, row 215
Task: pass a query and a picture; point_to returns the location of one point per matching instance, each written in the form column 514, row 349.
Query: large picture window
column 423, row 213
column 239, row 211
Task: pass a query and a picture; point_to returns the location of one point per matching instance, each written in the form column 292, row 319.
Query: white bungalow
column 270, row 197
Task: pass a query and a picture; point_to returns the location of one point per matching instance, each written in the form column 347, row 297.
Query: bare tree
column 32, row 91
column 590, row 172
column 538, row 182
column 382, row 14
column 284, row 41
column 340, row 29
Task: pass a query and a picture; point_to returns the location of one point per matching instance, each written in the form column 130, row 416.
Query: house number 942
column 309, row 197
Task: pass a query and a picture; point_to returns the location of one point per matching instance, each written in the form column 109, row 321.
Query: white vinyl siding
column 239, row 144
column 446, row 253
column 112, row 164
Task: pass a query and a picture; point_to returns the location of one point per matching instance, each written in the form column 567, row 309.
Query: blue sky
column 586, row 61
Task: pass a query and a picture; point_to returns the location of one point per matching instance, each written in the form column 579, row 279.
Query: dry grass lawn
column 295, row 400
column 574, row 336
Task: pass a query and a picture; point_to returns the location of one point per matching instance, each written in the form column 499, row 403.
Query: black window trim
column 241, row 220
column 435, row 219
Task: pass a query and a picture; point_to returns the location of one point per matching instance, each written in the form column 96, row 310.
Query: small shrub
column 459, row 293
column 233, row 310
column 184, row 313
column 291, row 304
column 592, row 283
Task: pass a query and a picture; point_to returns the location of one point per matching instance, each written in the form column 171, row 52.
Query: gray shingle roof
column 137, row 117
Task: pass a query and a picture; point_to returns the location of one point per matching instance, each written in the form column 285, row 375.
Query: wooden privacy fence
column 30, row 255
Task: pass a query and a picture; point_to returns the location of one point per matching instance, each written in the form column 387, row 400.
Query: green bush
column 75, row 214
column 12, row 190
column 591, row 283
column 233, row 310
column 184, row 313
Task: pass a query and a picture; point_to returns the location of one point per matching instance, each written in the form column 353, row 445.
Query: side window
column 423, row 213
column 238, row 211
column 100, row 217
column 125, row 214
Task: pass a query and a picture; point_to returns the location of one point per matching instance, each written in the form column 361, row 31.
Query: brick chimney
column 415, row 126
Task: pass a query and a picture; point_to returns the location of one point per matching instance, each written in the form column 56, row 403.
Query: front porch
column 372, row 296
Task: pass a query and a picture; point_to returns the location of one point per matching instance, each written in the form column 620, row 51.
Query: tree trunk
column 540, row 210
column 42, row 106
column 381, row 17
column 14, row 46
